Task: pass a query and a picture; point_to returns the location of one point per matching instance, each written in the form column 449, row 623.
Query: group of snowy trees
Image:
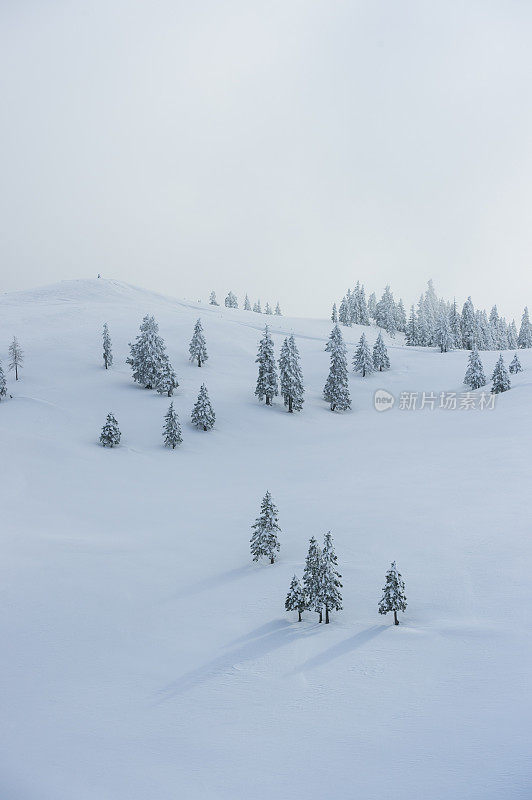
column 475, row 377
column 320, row 589
column 434, row 322
column 16, row 360
column 149, row 361
column 365, row 361
column 291, row 376
column 231, row 301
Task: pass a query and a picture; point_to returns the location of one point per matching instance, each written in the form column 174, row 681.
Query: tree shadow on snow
column 342, row 648
column 257, row 645
column 215, row 581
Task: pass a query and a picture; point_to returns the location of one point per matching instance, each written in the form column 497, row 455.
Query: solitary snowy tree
column 107, row 348
column 198, row 347
column 265, row 541
column 525, row 331
column 212, row 299
column 203, row 415
column 166, row 380
column 291, row 377
column 336, row 389
column 500, row 377
column 278, row 312
column 329, row 578
column 172, row 429
column 362, row 360
column 312, row 578
column 474, row 377
column 3, row 383
column 381, row 361
column 110, row 435
column 393, row 594
column 295, row 599
column 515, row 365
column 16, row 356
column 148, row 354
column 267, row 378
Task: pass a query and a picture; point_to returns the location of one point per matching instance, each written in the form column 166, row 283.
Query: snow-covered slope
column 145, row 656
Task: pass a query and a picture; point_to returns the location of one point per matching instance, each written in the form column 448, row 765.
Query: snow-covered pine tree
column 3, row 382
column 198, row 347
column 336, row 389
column 330, row 585
column 411, row 329
column 166, row 380
column 372, row 305
column 257, row 307
column 400, row 317
column 172, row 429
column 231, row 301
column 267, row 378
column 393, row 594
column 107, row 347
column 468, row 325
column 363, row 312
column 334, row 314
column 456, row 328
column 212, row 299
column 362, row 360
column 148, row 354
column 385, row 312
column 268, row 309
column 512, row 336
column 247, row 304
column 381, row 361
column 16, row 356
column 295, row 599
column 474, row 377
column 312, row 578
column 110, row 435
column 344, row 313
column 264, row 541
column 278, row 312
column 524, row 339
column 444, row 335
column 291, row 377
column 500, row 377
column 203, row 415
column 515, row 365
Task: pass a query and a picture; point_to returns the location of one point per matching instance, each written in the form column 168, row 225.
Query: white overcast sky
column 285, row 149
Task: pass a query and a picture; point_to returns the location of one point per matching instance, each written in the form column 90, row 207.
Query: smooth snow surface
column 145, row 657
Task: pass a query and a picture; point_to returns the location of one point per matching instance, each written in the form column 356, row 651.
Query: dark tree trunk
column 272, row 559
column 16, row 372
column 321, row 616
column 268, row 400
column 395, row 620
column 290, row 404
column 326, row 615
column 199, row 361
column 299, row 612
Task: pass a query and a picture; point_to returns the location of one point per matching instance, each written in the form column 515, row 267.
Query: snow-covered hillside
column 145, row 657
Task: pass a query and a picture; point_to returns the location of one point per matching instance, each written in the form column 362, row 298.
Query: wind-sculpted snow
column 145, row 656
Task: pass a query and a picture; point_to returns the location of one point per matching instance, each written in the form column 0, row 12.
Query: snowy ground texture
column 146, row 658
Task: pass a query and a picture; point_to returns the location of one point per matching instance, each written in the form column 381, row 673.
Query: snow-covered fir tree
column 166, row 380
column 278, row 312
column 330, row 585
column 500, row 377
column 444, row 335
column 268, row 309
column 16, row 356
column 336, row 389
column 381, row 361
column 524, row 339
column 172, row 429
column 257, row 307
column 203, row 415
column 198, row 347
column 455, row 325
column 148, row 354
column 3, row 382
column 107, row 347
column 412, row 338
column 362, row 360
column 468, row 325
column 512, row 336
column 312, row 578
column 267, row 387
column 291, row 377
column 372, row 306
column 110, row 435
column 385, row 315
column 334, row 313
column 231, row 301
column 474, row 377
column 247, row 304
column 212, row 299
column 295, row 599
column 515, row 365
column 393, row 594
column 400, row 317
column 344, row 312
column 265, row 541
